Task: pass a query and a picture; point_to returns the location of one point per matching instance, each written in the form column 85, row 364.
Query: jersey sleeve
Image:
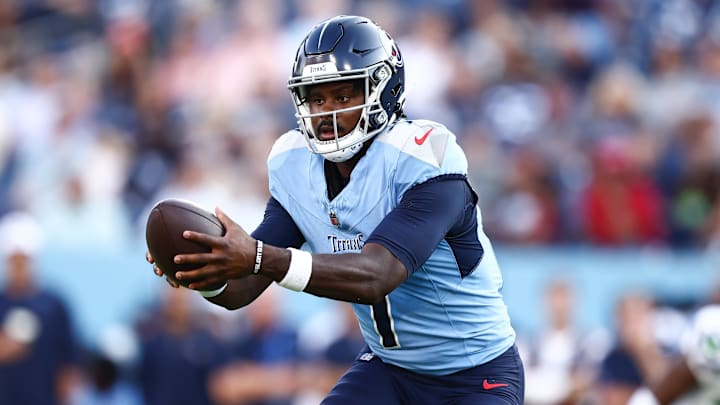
column 278, row 228
column 440, row 208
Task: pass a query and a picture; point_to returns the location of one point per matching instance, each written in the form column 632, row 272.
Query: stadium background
column 591, row 129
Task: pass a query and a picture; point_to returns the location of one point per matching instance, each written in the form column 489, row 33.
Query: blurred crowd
column 584, row 121
column 178, row 350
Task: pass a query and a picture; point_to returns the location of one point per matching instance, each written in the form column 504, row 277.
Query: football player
column 696, row 375
column 373, row 208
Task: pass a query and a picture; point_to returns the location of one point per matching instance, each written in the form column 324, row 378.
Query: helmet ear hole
column 380, row 74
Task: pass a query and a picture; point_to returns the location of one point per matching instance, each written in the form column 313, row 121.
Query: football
column 163, row 233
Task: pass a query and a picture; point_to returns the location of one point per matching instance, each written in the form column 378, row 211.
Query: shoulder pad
column 290, row 140
column 424, row 140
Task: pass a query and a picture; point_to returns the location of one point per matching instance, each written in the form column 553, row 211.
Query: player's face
column 328, row 97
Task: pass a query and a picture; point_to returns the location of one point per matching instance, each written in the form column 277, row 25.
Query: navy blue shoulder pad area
column 440, row 208
column 278, row 228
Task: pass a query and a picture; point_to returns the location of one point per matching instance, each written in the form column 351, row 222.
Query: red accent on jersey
column 421, row 140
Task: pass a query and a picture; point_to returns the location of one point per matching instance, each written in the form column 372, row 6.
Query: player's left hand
column 158, row 272
column 232, row 255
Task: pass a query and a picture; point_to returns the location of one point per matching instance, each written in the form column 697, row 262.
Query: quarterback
column 371, row 207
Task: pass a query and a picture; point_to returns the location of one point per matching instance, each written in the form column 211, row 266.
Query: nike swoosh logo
column 489, row 386
column 421, row 140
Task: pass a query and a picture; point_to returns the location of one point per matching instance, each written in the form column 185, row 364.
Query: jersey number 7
column 384, row 324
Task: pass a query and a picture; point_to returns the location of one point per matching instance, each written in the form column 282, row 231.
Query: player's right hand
column 158, row 272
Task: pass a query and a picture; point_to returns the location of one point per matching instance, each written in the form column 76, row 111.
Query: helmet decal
column 319, row 69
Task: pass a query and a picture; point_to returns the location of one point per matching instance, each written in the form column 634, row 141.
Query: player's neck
column 345, row 168
column 337, row 174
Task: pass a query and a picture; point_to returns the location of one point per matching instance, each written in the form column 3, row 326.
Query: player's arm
column 678, row 381
column 401, row 243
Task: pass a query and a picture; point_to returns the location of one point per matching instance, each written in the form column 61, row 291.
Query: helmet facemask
column 373, row 119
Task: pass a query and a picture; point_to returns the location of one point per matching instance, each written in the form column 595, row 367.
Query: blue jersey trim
column 441, row 208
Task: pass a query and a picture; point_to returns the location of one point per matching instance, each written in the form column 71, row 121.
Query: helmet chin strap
column 341, row 155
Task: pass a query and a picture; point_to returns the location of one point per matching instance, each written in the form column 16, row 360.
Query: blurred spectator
column 666, row 31
column 262, row 364
column 343, row 349
column 516, row 112
column 690, row 174
column 109, row 370
column 178, row 353
column 329, row 342
column 8, row 163
column 105, row 385
column 637, row 357
column 613, row 99
column 37, row 342
column 527, row 209
column 622, row 204
column 82, row 209
column 557, row 369
column 209, row 183
column 429, row 47
column 159, row 136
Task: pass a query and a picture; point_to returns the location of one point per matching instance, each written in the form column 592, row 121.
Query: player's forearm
column 241, row 292
column 674, row 384
column 351, row 277
column 653, row 364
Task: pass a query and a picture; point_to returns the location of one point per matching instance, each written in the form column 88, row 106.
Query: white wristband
column 213, row 293
column 298, row 274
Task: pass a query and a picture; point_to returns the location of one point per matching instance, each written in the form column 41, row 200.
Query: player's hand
column 232, row 255
column 158, row 272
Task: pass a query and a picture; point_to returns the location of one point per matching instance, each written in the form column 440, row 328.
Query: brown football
column 163, row 233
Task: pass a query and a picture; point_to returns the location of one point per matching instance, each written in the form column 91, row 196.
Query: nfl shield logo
column 333, row 219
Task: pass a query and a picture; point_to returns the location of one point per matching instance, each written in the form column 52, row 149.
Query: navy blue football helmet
column 349, row 48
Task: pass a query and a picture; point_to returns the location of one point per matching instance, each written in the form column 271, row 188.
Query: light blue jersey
column 436, row 322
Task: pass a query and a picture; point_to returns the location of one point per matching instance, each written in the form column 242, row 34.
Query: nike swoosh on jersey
column 421, row 140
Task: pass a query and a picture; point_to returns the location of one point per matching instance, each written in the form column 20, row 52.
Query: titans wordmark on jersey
column 436, row 322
